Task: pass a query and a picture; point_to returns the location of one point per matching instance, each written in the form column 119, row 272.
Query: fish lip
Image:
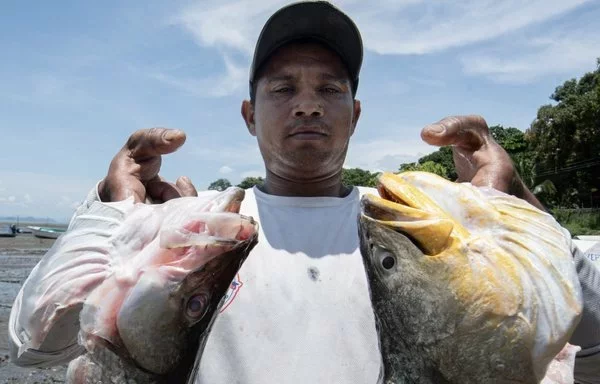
column 376, row 208
column 391, row 203
column 386, row 191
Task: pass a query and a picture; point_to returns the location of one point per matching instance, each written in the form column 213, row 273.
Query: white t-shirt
column 300, row 311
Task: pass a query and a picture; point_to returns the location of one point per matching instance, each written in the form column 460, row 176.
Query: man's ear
column 248, row 115
column 356, row 116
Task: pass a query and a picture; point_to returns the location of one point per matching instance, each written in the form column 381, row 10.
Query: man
column 302, row 312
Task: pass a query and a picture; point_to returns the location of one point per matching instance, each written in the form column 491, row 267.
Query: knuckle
column 154, row 132
column 451, row 121
column 144, row 137
column 135, row 138
column 479, row 122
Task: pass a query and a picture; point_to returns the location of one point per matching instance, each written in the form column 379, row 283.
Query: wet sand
column 18, row 256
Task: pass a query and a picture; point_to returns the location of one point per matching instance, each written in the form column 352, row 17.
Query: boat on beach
column 47, row 232
column 8, row 230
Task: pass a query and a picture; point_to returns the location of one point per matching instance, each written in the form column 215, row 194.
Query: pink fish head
column 148, row 286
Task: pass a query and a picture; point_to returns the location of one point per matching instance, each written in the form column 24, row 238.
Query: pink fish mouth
column 210, row 229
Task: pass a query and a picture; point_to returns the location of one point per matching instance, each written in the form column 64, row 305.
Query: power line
column 569, row 168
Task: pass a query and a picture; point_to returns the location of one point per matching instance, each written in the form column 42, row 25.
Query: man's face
column 304, row 112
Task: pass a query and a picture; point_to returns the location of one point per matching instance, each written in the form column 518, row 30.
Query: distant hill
column 28, row 219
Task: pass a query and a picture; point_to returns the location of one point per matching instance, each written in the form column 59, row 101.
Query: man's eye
column 283, row 90
column 331, row 90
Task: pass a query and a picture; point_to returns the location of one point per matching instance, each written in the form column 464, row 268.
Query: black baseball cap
column 311, row 20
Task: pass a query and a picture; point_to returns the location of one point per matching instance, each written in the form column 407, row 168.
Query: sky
column 78, row 77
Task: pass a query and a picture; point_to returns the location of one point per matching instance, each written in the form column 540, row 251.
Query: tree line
column 223, row 184
column 557, row 156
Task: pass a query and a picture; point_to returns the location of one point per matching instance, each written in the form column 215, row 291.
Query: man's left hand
column 477, row 157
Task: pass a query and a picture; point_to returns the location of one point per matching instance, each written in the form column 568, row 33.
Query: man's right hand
column 134, row 170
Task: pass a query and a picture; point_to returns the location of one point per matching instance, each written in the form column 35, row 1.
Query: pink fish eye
column 197, row 305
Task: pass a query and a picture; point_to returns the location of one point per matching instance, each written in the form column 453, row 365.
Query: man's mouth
column 308, row 136
column 308, row 133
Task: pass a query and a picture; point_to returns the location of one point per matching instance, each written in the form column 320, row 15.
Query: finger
column 186, row 187
column 148, row 143
column 468, row 132
column 161, row 191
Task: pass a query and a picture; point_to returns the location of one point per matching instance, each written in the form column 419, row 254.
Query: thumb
column 146, row 143
column 466, row 132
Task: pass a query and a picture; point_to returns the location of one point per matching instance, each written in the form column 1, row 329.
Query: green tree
column 407, row 167
column 515, row 142
column 219, row 185
column 442, row 157
column 565, row 137
column 433, row 167
column 511, row 139
column 526, row 167
column 359, row 177
column 250, row 182
column 427, row 166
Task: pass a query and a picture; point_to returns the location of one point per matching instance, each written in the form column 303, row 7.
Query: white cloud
column 11, row 202
column 387, row 27
column 233, row 81
column 43, row 195
column 227, row 24
column 385, row 155
column 402, row 27
column 536, row 58
column 427, row 27
column 225, row 170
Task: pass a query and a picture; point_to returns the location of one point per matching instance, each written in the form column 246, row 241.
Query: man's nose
column 308, row 104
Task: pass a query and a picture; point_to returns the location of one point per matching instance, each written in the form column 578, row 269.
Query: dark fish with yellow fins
column 468, row 284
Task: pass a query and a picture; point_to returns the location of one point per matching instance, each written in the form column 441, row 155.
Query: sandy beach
column 18, row 255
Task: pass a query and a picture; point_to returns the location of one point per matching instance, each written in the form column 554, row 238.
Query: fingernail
column 170, row 135
column 436, row 129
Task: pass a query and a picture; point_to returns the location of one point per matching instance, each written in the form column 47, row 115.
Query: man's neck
column 330, row 187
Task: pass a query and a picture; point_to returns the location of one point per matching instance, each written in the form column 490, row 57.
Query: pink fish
column 145, row 292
